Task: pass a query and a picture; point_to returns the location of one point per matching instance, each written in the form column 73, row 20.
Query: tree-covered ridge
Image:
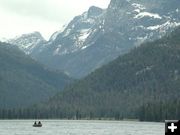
column 143, row 84
column 23, row 81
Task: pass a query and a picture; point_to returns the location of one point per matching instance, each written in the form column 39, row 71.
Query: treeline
column 154, row 111
column 160, row 111
column 56, row 114
column 60, row 114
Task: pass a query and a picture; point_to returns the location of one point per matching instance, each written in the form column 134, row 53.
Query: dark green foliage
column 143, row 84
column 23, row 81
column 138, row 85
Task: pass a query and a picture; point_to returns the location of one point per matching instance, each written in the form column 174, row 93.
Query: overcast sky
column 47, row 16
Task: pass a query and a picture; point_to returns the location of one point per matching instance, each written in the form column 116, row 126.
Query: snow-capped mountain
column 59, row 52
column 28, row 42
column 99, row 36
column 141, row 20
column 75, row 35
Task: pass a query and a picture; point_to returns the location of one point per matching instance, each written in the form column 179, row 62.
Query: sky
column 46, row 16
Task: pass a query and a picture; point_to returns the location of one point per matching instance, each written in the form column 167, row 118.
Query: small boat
column 37, row 125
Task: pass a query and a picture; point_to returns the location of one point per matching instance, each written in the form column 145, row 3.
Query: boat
column 37, row 125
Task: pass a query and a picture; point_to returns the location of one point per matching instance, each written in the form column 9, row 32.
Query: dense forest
column 143, row 84
column 24, row 81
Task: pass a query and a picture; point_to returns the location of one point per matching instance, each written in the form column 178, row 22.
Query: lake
column 65, row 127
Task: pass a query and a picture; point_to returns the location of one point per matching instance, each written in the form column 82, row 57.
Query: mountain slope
column 23, row 81
column 91, row 40
column 143, row 84
column 63, row 49
column 98, row 36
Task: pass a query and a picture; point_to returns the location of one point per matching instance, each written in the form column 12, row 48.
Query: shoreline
column 70, row 120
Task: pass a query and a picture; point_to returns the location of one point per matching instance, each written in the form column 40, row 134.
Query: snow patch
column 84, row 47
column 57, row 51
column 84, row 35
column 67, row 32
column 89, row 21
column 137, row 10
column 154, row 27
column 166, row 25
column 27, row 42
column 148, row 68
column 138, row 6
column 140, row 40
column 147, row 14
column 177, row 10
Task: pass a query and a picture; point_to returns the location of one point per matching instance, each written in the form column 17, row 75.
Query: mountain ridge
column 28, row 42
column 87, row 43
column 25, row 82
column 139, row 85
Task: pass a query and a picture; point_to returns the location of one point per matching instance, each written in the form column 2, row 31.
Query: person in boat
column 35, row 123
column 39, row 123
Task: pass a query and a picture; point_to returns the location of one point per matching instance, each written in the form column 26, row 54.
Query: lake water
column 64, row 127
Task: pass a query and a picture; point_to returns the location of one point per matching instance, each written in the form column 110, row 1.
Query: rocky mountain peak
column 27, row 42
column 94, row 11
column 119, row 3
column 35, row 34
column 98, row 36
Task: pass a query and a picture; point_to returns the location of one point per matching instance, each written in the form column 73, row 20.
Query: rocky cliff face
column 141, row 20
column 67, row 49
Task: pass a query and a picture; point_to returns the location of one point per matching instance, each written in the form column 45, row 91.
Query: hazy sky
column 47, row 16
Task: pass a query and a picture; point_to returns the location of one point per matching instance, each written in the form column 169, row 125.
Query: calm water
column 59, row 127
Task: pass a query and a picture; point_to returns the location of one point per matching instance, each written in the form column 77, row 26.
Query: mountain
column 98, row 36
column 63, row 49
column 24, row 81
column 28, row 42
column 143, row 84
column 139, row 20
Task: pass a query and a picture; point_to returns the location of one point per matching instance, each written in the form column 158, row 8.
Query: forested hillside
column 143, row 84
column 23, row 81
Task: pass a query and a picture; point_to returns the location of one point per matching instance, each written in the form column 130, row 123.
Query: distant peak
column 94, row 11
column 32, row 34
column 95, row 8
column 120, row 3
column 36, row 33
